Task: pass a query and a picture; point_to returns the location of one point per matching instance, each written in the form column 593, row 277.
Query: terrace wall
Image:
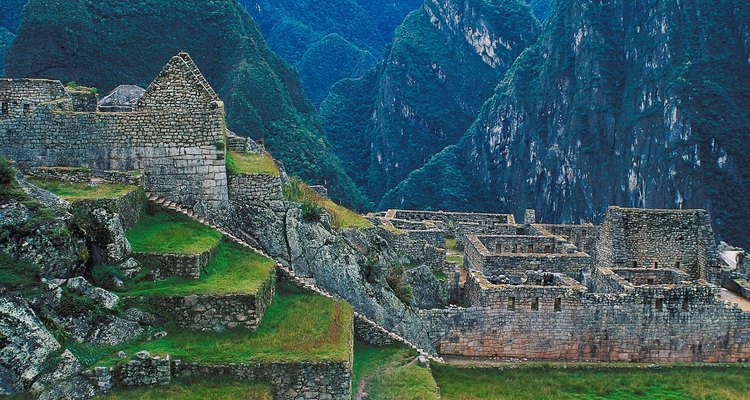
column 250, row 188
column 596, row 327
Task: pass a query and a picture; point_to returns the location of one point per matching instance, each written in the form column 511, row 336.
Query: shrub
column 311, row 212
column 395, row 280
column 105, row 276
column 7, row 172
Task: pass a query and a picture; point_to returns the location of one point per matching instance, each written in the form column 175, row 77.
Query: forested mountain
column 10, row 18
column 636, row 103
column 541, row 8
column 329, row 40
column 444, row 63
column 105, row 44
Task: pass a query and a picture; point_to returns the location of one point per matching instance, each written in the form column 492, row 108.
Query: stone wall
column 162, row 266
column 477, row 257
column 366, row 332
column 679, row 239
column 419, row 251
column 19, row 97
column 582, row 236
column 216, row 312
column 176, row 136
column 455, row 223
column 586, row 326
column 129, row 206
column 84, row 101
column 248, row 188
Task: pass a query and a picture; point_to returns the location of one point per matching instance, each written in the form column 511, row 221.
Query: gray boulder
column 106, row 298
column 25, row 346
column 429, row 292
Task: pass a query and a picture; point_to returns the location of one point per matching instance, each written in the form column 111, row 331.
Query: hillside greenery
column 6, row 39
column 329, row 40
column 75, row 41
column 424, row 95
column 244, row 163
column 391, row 373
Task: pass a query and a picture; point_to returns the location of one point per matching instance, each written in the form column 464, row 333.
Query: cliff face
column 107, row 44
column 636, row 103
column 10, row 14
column 329, row 40
column 445, row 61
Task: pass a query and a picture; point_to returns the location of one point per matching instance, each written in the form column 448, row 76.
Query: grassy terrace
column 343, row 218
column 171, row 234
column 233, row 269
column 243, row 163
column 76, row 191
column 542, row 383
column 195, row 391
column 296, row 327
column 387, row 373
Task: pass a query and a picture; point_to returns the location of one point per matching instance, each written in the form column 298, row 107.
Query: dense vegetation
column 104, row 44
column 426, row 92
column 537, row 383
column 6, row 39
column 329, row 40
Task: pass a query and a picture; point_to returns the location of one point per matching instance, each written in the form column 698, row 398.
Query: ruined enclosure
column 640, row 287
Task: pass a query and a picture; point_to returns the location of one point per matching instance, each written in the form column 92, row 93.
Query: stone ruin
column 645, row 285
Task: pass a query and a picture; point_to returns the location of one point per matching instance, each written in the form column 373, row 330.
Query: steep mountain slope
column 445, row 61
column 107, row 44
column 6, row 39
column 10, row 14
column 637, row 103
column 541, row 8
column 300, row 31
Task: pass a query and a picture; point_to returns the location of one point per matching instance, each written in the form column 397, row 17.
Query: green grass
column 233, row 269
column 440, row 275
column 296, row 327
column 343, row 218
column 389, row 376
column 542, row 383
column 243, row 163
column 195, row 391
column 456, row 259
column 450, row 244
column 76, row 191
column 17, row 275
column 172, row 234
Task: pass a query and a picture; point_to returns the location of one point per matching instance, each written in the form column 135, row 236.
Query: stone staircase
column 306, row 283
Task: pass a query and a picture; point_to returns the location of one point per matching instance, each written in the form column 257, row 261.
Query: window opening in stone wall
column 499, row 249
column 685, row 304
column 6, row 109
column 27, row 109
column 656, row 264
column 515, row 248
column 535, row 304
column 677, row 264
column 531, row 248
column 558, row 304
column 659, row 304
column 635, row 264
column 649, row 281
column 547, row 249
column 511, row 304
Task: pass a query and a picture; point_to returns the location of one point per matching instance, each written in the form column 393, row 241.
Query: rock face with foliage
column 629, row 103
column 262, row 94
column 329, row 40
column 445, row 61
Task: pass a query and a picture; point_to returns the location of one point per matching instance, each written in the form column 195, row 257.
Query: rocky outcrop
column 428, row 292
column 333, row 260
column 26, row 346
